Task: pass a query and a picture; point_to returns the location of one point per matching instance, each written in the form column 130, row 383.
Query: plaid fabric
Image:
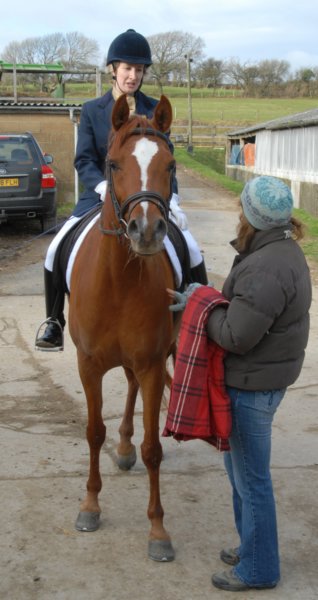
column 199, row 406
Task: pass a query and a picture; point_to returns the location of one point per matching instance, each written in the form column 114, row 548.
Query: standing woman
column 128, row 58
column 264, row 331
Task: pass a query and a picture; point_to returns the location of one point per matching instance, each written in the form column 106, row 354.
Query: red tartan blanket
column 199, row 406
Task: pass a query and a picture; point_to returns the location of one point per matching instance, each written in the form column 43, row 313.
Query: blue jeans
column 248, row 468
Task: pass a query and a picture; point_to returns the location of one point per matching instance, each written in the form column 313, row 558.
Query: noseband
column 134, row 199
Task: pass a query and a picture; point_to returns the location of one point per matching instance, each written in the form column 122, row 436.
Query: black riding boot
column 198, row 274
column 52, row 338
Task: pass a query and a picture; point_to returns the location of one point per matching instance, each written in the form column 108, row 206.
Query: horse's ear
column 162, row 118
column 120, row 112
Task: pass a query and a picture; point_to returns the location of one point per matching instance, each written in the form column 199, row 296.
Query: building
column 286, row 148
column 55, row 127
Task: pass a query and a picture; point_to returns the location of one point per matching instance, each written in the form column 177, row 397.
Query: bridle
column 134, row 199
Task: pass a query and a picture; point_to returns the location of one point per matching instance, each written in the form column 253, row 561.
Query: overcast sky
column 248, row 30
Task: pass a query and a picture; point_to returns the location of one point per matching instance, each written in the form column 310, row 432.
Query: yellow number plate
column 12, row 182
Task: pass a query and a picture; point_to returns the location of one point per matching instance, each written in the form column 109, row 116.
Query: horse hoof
column 87, row 521
column 161, row 550
column 126, row 461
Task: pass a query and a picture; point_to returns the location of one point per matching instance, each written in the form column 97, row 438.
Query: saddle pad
column 174, row 244
column 67, row 244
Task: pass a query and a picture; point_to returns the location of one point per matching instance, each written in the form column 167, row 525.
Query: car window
column 16, row 150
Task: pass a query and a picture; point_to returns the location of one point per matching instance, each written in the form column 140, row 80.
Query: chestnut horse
column 118, row 311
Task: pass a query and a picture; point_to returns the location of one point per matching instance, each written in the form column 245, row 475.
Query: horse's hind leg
column 88, row 517
column 126, row 450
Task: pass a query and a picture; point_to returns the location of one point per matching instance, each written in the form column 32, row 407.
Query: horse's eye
column 172, row 166
column 113, row 165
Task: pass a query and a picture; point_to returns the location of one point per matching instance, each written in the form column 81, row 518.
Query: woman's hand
column 181, row 298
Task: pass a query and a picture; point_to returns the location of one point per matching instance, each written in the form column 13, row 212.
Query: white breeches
column 49, row 259
column 194, row 250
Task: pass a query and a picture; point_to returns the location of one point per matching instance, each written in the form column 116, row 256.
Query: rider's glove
column 101, row 189
column 178, row 214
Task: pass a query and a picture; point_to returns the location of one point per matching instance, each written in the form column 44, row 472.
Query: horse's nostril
column 161, row 228
column 133, row 229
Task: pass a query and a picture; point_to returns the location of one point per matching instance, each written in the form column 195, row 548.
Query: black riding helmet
column 130, row 47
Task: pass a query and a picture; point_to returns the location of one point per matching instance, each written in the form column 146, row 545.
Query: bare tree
column 259, row 78
column 210, row 73
column 74, row 50
column 244, row 76
column 168, row 54
column 272, row 73
column 306, row 81
column 80, row 51
column 45, row 49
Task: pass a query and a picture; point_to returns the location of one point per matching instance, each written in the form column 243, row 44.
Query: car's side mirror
column 48, row 158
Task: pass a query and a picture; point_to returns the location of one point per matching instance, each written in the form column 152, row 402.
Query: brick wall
column 55, row 133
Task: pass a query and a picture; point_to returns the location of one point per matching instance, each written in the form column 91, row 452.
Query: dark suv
column 27, row 183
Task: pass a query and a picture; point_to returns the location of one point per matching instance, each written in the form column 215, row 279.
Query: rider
column 128, row 58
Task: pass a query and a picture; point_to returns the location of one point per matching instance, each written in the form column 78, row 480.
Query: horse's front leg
column 152, row 385
column 126, row 451
column 88, row 517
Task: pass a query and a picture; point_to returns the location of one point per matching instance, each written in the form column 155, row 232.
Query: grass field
column 215, row 106
column 209, row 106
column 237, row 110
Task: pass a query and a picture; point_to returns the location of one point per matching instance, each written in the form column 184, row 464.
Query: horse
column 119, row 307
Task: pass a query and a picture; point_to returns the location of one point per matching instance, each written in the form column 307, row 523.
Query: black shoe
column 52, row 338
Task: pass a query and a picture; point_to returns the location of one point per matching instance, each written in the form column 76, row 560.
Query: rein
column 134, row 199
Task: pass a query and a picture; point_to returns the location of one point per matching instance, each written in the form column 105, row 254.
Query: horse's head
column 140, row 167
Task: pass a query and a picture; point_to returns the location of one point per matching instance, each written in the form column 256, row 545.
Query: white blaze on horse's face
column 144, row 152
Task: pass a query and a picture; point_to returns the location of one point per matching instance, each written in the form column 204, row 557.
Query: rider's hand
column 178, row 214
column 101, row 189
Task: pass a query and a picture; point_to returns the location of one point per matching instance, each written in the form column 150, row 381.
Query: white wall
column 290, row 153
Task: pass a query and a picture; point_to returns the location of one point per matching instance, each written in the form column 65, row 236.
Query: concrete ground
column 44, row 460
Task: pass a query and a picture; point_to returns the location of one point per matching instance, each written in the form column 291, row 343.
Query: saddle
column 65, row 247
column 68, row 242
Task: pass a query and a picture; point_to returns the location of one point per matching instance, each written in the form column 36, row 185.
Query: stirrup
column 47, row 322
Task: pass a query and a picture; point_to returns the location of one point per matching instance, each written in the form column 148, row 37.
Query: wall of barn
column 55, row 134
column 290, row 154
column 305, row 193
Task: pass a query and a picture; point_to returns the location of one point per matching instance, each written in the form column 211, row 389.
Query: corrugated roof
column 37, row 105
column 303, row 119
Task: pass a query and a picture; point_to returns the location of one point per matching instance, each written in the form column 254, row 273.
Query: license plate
column 9, row 182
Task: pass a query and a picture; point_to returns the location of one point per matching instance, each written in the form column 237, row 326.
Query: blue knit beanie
column 267, row 202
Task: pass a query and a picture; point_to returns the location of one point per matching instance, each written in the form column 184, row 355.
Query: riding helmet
column 130, row 47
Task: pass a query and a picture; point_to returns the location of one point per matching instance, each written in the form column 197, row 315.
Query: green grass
column 310, row 242
column 207, row 163
column 239, row 111
column 210, row 106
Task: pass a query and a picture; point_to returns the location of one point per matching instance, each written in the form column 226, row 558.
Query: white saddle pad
column 167, row 245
